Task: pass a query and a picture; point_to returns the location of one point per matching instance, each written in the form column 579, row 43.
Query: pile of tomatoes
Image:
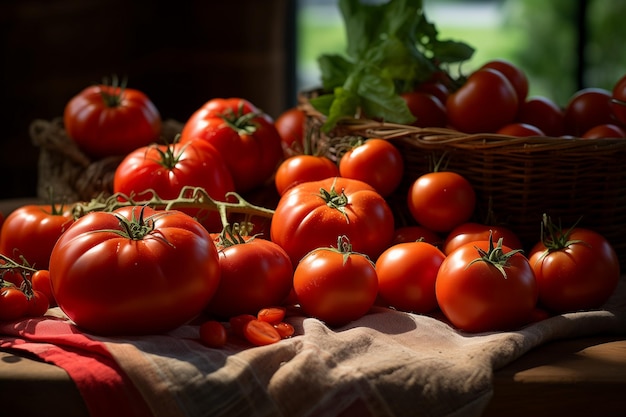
column 330, row 247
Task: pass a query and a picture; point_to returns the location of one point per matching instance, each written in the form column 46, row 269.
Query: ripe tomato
column 106, row 120
column 32, row 230
column 484, row 287
column 311, row 215
column 260, row 333
column 442, row 200
column 303, row 168
column 336, row 286
column 516, row 76
column 272, row 315
column 520, row 130
column 254, row 274
column 587, row 108
column 290, row 127
column 41, row 282
column 428, row 110
column 472, row 232
column 213, row 334
column 38, row 304
column 544, row 113
column 406, row 276
column 245, row 137
column 166, row 169
column 376, row 162
column 13, row 302
column 607, row 130
column 486, row 102
column 618, row 101
column 436, row 88
column 575, row 270
column 134, row 271
column 416, row 233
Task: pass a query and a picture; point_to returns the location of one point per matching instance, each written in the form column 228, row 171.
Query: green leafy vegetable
column 391, row 47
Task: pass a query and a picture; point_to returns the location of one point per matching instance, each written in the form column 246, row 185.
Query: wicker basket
column 67, row 171
column 516, row 179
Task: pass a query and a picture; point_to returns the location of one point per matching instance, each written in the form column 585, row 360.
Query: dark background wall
column 180, row 54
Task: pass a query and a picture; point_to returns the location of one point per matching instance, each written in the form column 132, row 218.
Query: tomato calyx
column 135, row 228
column 344, row 247
column 112, row 93
column 335, row 200
column 168, row 159
column 554, row 238
column 9, row 265
column 234, row 234
column 240, row 122
column 495, row 256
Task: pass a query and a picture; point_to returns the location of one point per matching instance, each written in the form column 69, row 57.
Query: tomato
column 576, row 270
column 303, row 168
column 38, row 304
column 414, row 233
column 486, row 102
column 472, row 232
column 13, row 302
column 238, row 322
column 587, row 108
column 442, row 200
column 254, row 274
column 618, row 101
column 245, row 137
column 32, row 230
column 213, row 334
column 167, row 169
column 290, row 126
column 544, row 114
column 336, row 286
column 436, row 88
column 516, row 76
column 260, row 333
column 607, row 130
column 483, row 287
column 41, row 282
column 520, row 130
column 406, row 276
column 285, row 330
column 376, row 162
column 273, row 315
column 428, row 110
column 134, row 271
column 107, row 120
column 312, row 214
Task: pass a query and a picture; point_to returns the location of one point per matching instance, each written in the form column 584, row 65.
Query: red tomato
column 486, row 102
column 311, row 215
column 290, row 126
column 481, row 291
column 238, row 322
column 273, row 315
column 285, row 330
column 32, row 230
column 575, row 270
column 303, row 168
column 516, row 76
column 376, row 162
column 587, row 108
column 134, row 271
column 618, row 101
column 254, row 274
column 106, row 120
column 213, row 334
column 520, row 130
column 38, row 304
column 428, row 110
column 336, row 286
column 41, row 282
column 13, row 303
column 543, row 113
column 606, row 130
column 440, row 201
column 472, row 232
column 406, row 276
column 245, row 137
column 167, row 169
column 436, row 88
column 416, row 233
column 260, row 333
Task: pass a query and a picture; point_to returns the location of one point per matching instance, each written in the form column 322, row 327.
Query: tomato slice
column 272, row 315
column 260, row 333
column 238, row 322
column 285, row 330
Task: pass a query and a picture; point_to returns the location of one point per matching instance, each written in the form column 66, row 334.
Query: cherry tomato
column 272, row 315
column 486, row 102
column 428, row 110
column 41, row 282
column 440, row 201
column 376, row 162
column 520, row 130
column 38, row 304
column 436, row 88
column 213, row 334
column 618, row 101
column 480, row 291
column 290, row 127
column 285, row 330
column 473, row 232
column 106, row 120
column 13, row 303
column 406, row 276
column 260, row 333
column 587, row 108
column 516, row 76
column 238, row 322
column 607, row 130
column 544, row 114
column 303, row 168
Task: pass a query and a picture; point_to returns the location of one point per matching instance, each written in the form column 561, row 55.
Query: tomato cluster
column 24, row 291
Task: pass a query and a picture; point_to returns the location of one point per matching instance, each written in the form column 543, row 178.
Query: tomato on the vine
column 40, row 281
column 312, row 214
column 134, row 271
column 38, row 303
column 31, row 231
column 376, row 162
column 106, row 120
column 167, row 169
column 303, row 168
column 335, row 285
column 483, row 286
column 244, row 136
column 13, row 302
